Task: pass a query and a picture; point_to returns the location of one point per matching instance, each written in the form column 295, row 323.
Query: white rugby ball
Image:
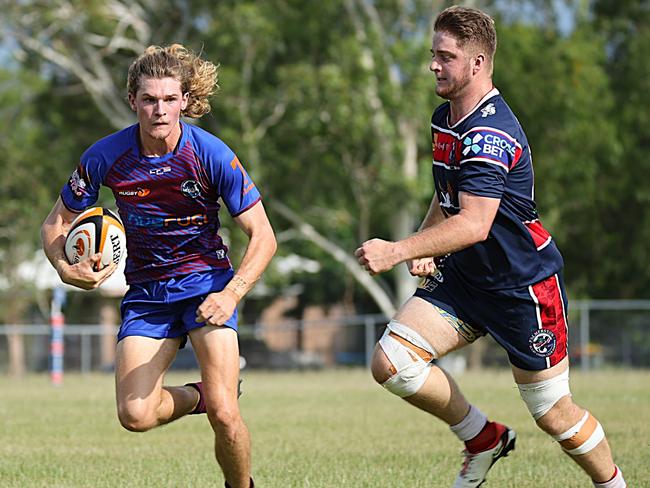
column 96, row 230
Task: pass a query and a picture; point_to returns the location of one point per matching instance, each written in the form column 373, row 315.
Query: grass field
column 311, row 429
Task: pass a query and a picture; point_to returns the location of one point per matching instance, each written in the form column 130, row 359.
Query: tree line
column 327, row 104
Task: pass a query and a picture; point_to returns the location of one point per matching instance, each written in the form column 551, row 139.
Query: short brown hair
column 469, row 26
column 197, row 76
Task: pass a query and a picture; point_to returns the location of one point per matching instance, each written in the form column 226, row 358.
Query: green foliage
column 319, row 103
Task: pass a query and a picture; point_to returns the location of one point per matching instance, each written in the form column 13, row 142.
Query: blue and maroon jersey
column 168, row 204
column 486, row 153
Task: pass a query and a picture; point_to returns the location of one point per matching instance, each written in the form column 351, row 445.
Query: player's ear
column 131, row 98
column 479, row 63
column 185, row 100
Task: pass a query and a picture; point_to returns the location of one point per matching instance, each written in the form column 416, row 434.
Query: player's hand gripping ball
column 96, row 230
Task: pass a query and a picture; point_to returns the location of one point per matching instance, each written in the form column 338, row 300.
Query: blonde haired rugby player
column 167, row 177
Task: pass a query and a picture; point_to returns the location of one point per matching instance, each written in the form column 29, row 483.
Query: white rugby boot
column 476, row 465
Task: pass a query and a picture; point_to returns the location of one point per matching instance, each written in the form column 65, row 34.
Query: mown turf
column 310, row 429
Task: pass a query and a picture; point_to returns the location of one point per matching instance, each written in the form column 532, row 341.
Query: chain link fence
column 601, row 333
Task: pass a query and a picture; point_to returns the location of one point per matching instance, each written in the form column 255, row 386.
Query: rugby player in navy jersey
column 489, row 267
column 167, row 177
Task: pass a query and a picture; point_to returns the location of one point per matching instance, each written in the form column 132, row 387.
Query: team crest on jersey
column 77, row 183
column 488, row 110
column 191, row 189
column 542, row 342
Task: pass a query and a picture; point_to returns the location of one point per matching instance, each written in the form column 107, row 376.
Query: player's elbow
column 476, row 231
column 481, row 233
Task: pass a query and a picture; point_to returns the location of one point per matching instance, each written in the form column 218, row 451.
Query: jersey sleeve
column 82, row 189
column 487, row 155
column 234, row 185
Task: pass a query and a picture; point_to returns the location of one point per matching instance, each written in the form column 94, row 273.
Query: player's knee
column 561, row 416
column 136, row 417
column 541, row 397
column 402, row 362
column 380, row 367
column 225, row 419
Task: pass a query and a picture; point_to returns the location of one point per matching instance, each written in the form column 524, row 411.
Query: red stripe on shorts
column 552, row 315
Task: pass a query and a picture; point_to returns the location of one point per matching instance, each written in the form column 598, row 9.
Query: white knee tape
column 541, row 396
column 411, row 369
column 582, row 437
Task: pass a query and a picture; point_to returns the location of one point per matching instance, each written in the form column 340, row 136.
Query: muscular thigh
column 217, row 352
column 140, row 366
column 433, row 324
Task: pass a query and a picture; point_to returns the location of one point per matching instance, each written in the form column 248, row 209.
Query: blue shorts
column 529, row 322
column 167, row 308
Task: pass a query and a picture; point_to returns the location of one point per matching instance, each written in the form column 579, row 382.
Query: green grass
column 312, row 429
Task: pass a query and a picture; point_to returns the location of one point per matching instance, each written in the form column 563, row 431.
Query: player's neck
column 467, row 101
column 152, row 147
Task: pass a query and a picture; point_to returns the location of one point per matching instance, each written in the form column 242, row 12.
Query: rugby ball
column 96, row 230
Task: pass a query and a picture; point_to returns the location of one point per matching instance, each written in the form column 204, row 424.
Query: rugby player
column 489, row 267
column 167, row 177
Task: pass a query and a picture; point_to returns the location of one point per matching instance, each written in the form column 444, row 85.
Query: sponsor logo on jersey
column 488, row 144
column 154, row 221
column 138, row 192
column 488, row 110
column 472, row 144
column 542, row 342
column 77, row 183
column 221, row 254
column 191, row 189
column 160, row 171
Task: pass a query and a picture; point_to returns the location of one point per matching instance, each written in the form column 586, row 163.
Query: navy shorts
column 529, row 323
column 167, row 308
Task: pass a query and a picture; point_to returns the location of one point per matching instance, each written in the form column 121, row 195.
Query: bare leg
column 440, row 395
column 142, row 401
column 598, row 462
column 217, row 351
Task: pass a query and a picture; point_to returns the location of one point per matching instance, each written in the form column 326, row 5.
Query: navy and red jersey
column 168, row 204
column 486, row 153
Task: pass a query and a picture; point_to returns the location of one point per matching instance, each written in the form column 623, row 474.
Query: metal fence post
column 369, row 328
column 584, row 335
column 86, row 353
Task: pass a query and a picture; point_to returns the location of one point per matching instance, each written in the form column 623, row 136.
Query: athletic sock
column 616, row 481
column 487, row 438
column 471, row 425
column 200, row 407
column 252, row 485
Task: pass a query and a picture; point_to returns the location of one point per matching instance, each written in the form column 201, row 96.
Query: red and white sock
column 488, row 438
column 617, row 480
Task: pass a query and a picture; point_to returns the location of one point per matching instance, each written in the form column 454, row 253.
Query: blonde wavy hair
column 198, row 77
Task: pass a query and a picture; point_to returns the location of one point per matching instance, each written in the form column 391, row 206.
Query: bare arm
column 425, row 266
column 218, row 307
column 53, row 233
column 471, row 225
column 260, row 250
column 434, row 214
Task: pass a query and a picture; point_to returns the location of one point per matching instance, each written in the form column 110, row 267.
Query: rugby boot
column 476, row 465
